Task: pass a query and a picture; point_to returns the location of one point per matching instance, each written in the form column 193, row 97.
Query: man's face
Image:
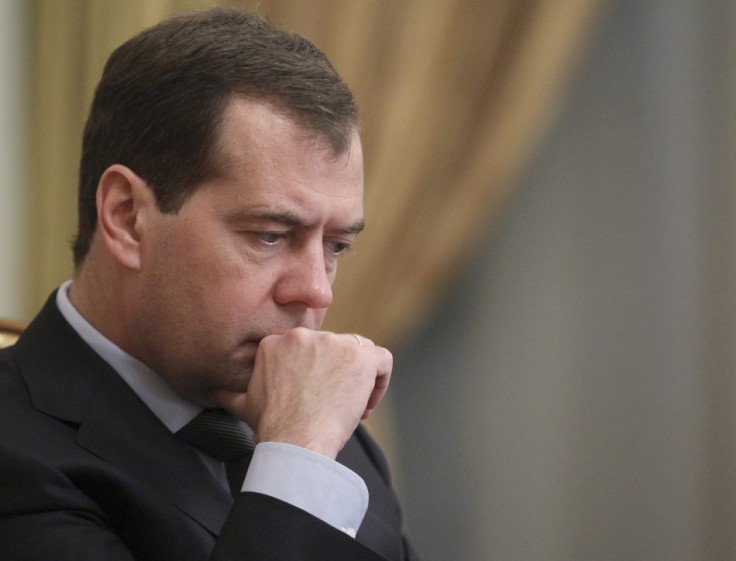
column 251, row 253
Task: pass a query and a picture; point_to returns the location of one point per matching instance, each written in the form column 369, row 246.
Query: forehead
column 269, row 160
column 254, row 133
column 260, row 122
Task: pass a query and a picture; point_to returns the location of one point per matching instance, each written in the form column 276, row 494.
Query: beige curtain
column 454, row 95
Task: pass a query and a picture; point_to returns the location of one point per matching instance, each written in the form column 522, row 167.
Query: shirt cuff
column 310, row 481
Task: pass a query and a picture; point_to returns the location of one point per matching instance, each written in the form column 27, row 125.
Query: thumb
column 235, row 402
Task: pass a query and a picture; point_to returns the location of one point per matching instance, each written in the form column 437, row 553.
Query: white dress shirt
column 306, row 479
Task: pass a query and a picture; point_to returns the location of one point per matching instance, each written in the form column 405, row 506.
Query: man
column 220, row 181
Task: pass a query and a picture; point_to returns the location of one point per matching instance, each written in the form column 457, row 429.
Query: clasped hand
column 311, row 388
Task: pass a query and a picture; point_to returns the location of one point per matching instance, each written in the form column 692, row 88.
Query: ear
column 121, row 198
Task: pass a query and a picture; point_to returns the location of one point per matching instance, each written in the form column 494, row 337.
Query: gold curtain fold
column 469, row 89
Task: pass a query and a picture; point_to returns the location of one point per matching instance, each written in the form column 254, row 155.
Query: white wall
column 573, row 399
column 13, row 145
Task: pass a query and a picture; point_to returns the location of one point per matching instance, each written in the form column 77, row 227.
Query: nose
column 306, row 280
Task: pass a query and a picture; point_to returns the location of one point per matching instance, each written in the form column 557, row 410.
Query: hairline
column 217, row 161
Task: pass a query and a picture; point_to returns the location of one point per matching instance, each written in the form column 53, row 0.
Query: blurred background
column 550, row 251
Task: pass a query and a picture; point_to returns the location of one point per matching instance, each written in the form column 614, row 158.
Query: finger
column 383, row 377
column 360, row 339
column 233, row 401
column 377, row 395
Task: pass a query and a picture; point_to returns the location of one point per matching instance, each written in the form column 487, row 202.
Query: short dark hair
column 159, row 104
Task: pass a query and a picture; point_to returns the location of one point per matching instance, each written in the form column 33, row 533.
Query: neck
column 97, row 294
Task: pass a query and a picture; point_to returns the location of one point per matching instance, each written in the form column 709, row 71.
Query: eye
column 270, row 238
column 338, row 247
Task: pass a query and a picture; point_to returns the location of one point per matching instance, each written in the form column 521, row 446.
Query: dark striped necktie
column 225, row 437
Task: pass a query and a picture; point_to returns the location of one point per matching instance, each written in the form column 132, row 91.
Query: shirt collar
column 152, row 389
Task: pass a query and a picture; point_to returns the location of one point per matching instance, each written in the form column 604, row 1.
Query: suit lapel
column 69, row 381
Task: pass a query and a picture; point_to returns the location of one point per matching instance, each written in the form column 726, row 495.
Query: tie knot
column 218, row 433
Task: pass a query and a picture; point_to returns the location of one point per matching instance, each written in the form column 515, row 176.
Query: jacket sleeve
column 263, row 528
column 44, row 516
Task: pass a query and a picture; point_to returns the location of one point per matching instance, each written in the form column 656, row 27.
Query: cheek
column 227, row 293
column 193, row 260
column 210, row 278
column 179, row 283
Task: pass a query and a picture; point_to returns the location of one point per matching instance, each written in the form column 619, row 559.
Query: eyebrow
column 288, row 219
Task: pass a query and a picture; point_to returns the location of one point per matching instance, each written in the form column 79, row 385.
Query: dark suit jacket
column 87, row 472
